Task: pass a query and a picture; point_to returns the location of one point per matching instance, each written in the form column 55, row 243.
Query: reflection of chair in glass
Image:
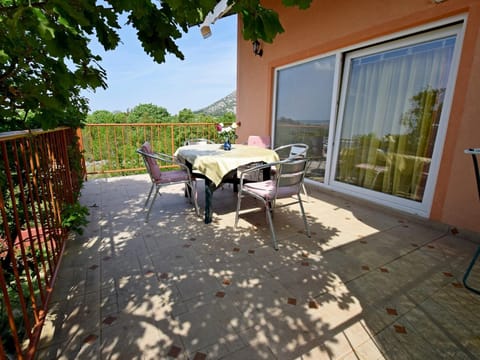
column 164, row 178
column 292, row 151
column 287, row 184
column 371, row 172
column 259, row 140
column 199, row 141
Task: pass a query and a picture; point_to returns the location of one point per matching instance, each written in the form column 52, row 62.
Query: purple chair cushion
column 172, row 176
column 152, row 163
column 267, row 189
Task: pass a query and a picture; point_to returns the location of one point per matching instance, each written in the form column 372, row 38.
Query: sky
column 207, row 74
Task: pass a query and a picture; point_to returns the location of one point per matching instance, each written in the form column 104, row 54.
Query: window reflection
column 303, row 106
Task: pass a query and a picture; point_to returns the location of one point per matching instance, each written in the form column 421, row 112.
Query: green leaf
column 302, row 4
column 46, row 59
column 44, row 28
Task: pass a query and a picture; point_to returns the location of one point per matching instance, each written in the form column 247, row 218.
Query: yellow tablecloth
column 214, row 162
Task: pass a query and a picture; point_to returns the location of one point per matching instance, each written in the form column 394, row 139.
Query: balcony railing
column 39, row 180
column 110, row 148
column 37, row 183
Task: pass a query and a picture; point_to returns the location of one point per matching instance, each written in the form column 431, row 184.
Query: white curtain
column 392, row 108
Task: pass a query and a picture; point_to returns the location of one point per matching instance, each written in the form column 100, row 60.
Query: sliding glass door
column 392, row 103
column 304, row 108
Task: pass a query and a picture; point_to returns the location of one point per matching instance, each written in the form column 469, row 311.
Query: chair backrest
column 259, row 140
column 150, row 163
column 292, row 150
column 290, row 176
column 298, row 150
column 199, row 141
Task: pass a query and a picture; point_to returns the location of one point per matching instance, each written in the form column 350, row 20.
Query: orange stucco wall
column 328, row 26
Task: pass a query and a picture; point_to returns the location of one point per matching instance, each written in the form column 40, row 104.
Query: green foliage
column 148, row 113
column 120, row 117
column 261, row 23
column 74, row 217
column 45, row 59
column 100, row 117
column 186, row 116
column 227, row 118
column 44, row 65
column 14, row 296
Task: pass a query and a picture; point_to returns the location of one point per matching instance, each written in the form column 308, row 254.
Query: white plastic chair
column 164, row 178
column 287, row 184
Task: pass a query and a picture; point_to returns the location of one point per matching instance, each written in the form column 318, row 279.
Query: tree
column 186, row 116
column 120, row 117
column 45, row 60
column 148, row 113
column 100, row 117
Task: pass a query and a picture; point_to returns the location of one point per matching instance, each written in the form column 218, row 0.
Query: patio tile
column 209, row 325
column 252, row 352
column 134, row 336
column 305, row 282
column 193, row 282
column 285, row 338
column 370, row 283
column 368, row 350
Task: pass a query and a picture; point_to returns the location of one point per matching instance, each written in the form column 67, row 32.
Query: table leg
column 266, row 173
column 209, row 189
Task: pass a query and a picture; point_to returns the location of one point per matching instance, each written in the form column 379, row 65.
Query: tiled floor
column 369, row 284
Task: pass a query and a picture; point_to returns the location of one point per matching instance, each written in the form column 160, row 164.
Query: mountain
column 222, row 106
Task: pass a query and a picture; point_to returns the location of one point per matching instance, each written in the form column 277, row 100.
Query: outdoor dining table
column 217, row 166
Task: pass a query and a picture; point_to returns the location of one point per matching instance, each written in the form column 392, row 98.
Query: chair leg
column 237, row 214
column 193, row 193
column 304, row 189
column 148, row 197
column 307, row 229
column 469, row 269
column 151, row 204
column 268, row 210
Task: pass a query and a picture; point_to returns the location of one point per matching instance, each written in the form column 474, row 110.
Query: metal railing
column 37, row 182
column 110, row 148
column 40, row 176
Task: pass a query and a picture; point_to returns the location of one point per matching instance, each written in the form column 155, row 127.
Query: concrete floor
column 369, row 284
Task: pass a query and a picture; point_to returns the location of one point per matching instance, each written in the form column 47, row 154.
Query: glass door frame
column 333, row 106
column 420, row 208
column 453, row 25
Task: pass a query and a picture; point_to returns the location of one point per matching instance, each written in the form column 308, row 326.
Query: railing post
column 172, row 139
column 36, row 185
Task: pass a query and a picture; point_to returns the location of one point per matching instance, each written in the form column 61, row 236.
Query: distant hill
column 222, row 106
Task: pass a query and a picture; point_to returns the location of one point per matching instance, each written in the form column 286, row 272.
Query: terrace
column 370, row 283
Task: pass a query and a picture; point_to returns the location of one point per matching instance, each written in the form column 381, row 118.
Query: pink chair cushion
column 260, row 141
column 266, row 189
column 152, row 163
column 172, row 176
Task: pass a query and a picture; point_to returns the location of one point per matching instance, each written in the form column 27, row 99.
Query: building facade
column 386, row 93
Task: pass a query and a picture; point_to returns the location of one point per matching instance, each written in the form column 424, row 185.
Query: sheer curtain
column 392, row 105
